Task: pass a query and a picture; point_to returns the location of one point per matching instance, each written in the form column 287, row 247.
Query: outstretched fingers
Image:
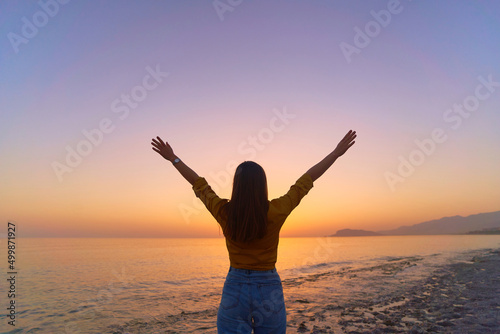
column 349, row 137
column 156, row 145
column 158, row 142
column 345, row 143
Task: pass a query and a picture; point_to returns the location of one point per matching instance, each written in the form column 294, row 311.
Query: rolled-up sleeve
column 286, row 203
column 212, row 202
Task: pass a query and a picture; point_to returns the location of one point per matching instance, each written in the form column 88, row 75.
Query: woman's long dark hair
column 246, row 212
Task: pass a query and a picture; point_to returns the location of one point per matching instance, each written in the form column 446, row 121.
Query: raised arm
column 164, row 149
column 317, row 170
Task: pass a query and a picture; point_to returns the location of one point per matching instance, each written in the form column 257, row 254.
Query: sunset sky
column 84, row 86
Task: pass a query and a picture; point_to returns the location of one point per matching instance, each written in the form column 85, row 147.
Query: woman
column 252, row 296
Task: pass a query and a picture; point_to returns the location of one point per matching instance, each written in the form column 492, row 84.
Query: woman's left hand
column 163, row 148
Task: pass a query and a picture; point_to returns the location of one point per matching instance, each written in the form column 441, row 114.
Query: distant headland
column 354, row 233
column 482, row 223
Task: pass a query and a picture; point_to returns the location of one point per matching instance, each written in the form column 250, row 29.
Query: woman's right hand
column 345, row 143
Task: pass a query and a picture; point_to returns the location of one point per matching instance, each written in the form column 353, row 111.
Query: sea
column 174, row 285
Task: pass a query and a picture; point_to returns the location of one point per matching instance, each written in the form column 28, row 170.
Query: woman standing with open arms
column 252, row 297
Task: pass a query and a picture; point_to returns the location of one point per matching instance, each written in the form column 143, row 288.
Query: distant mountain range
column 474, row 224
column 355, row 233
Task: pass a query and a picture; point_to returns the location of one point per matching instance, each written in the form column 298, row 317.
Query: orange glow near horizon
column 151, row 204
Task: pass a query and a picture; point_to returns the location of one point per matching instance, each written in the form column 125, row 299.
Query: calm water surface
column 122, row 285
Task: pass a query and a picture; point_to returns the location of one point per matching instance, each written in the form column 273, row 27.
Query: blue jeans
column 252, row 300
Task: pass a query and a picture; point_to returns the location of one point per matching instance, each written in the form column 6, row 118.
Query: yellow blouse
column 258, row 254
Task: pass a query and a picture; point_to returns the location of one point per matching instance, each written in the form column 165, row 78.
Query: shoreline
column 462, row 297
column 399, row 295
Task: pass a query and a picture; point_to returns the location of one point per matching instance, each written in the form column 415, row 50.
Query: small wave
column 388, row 266
column 177, row 282
column 319, row 265
column 193, row 281
column 83, row 307
column 188, row 321
column 314, row 268
column 398, row 258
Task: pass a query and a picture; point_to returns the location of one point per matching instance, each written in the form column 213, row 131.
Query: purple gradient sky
column 225, row 79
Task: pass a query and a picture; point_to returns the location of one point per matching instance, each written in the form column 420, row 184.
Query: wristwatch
column 177, row 160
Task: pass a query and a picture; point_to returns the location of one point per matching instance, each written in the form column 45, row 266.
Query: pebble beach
column 462, row 297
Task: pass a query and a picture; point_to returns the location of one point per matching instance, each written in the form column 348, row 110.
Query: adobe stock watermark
column 454, row 117
column 247, row 148
column 273, row 301
column 321, row 254
column 121, row 106
column 223, row 6
column 272, row 304
column 31, row 26
column 363, row 37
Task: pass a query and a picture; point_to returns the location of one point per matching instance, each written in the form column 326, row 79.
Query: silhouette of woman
column 252, row 296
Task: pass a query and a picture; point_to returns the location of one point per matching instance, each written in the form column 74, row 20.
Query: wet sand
column 463, row 297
